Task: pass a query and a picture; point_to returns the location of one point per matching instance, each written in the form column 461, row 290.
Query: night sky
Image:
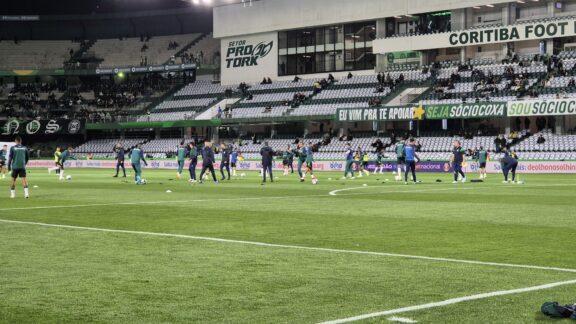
column 67, row 7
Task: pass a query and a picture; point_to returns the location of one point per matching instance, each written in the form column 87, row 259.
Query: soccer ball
column 69, row 177
column 242, row 174
column 142, row 181
column 314, row 181
column 398, row 178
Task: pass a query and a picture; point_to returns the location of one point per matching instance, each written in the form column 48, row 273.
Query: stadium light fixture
column 207, row 2
column 490, row 5
column 196, row 2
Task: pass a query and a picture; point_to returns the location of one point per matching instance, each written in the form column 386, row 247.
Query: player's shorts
column 2, row 164
column 285, row 163
column 233, row 164
column 482, row 165
column 18, row 173
column 310, row 165
column 401, row 160
column 364, row 164
column 60, row 165
column 378, row 163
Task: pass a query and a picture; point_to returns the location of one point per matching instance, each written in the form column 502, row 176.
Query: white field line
column 401, row 319
column 210, row 200
column 335, row 192
column 451, row 301
column 295, row 247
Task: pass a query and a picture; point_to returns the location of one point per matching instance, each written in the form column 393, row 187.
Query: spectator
column 541, row 139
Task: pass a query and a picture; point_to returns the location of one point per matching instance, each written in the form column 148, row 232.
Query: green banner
column 542, row 107
column 463, row 111
column 380, row 113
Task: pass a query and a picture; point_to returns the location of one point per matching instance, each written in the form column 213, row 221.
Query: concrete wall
column 276, row 15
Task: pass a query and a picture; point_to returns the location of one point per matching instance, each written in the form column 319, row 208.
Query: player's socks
column 61, row 174
column 26, row 193
column 12, row 193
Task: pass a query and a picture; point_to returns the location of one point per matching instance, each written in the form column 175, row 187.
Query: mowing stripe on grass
column 297, row 247
column 451, row 301
column 335, row 192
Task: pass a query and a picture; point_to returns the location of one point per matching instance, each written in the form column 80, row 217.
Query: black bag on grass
column 555, row 310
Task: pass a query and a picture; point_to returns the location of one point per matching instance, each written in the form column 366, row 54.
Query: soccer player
column 3, row 153
column 17, row 165
column 120, row 157
column 410, row 160
column 457, row 159
column 56, row 167
column 181, row 158
column 509, row 164
column 234, row 160
column 400, row 160
column 65, row 156
column 193, row 156
column 349, row 169
column 483, row 157
column 309, row 163
column 225, row 163
column 137, row 155
column 379, row 161
column 287, row 156
column 267, row 154
column 300, row 152
column 208, row 162
column 357, row 158
column 365, row 160
column 291, row 161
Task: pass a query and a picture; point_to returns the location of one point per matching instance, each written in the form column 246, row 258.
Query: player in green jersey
column 181, row 157
column 483, row 157
column 17, row 161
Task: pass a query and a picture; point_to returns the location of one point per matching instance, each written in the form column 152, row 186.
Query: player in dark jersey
column 225, row 162
column 410, row 160
column 208, row 162
column 65, row 156
column 120, row 157
column 287, row 156
column 457, row 159
column 349, row 166
column 509, row 164
column 3, row 154
column 17, row 161
column 193, row 156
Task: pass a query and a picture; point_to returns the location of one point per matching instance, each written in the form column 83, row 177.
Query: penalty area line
column 293, row 247
column 450, row 301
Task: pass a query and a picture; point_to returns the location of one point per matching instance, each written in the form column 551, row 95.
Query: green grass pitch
column 79, row 274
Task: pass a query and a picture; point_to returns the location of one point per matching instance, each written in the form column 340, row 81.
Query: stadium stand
column 140, row 51
column 33, row 54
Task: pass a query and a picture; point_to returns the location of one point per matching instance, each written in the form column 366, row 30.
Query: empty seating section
column 259, row 112
column 35, row 54
column 324, row 109
column 103, row 148
column 187, row 102
column 159, row 147
column 130, row 51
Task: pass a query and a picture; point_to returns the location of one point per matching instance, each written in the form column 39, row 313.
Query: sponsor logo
column 74, row 126
column 52, row 127
column 240, row 54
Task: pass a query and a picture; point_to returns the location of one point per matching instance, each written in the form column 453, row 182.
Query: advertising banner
column 471, row 110
column 249, row 58
column 563, row 27
column 145, row 69
column 542, row 107
column 338, row 166
column 380, row 113
column 42, row 127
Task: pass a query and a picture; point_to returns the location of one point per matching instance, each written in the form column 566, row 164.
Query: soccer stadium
column 287, row 161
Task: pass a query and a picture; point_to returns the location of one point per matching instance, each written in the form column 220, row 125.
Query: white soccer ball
column 143, row 181
column 314, row 181
column 242, row 174
column 68, row 177
column 398, row 178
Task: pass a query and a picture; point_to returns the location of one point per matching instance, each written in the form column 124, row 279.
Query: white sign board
column 249, row 58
